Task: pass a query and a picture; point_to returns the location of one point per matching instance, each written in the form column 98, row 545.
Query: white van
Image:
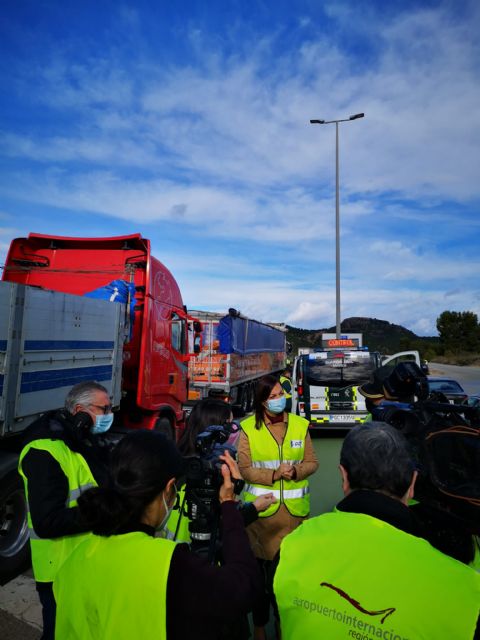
column 325, row 384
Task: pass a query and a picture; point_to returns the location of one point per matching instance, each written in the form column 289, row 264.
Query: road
column 468, row 377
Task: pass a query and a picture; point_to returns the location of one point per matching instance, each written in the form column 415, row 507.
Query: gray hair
column 376, row 456
column 82, row 393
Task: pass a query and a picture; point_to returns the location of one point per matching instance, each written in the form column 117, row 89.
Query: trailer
column 49, row 341
column 236, row 351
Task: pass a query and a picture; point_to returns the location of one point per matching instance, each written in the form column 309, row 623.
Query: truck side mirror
column 197, row 344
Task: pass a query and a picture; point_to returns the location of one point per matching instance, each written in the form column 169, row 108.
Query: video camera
column 445, row 443
column 203, row 481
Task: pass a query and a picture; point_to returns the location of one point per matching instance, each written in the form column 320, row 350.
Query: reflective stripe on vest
column 48, row 554
column 348, row 575
column 257, row 491
column 266, row 453
column 114, row 588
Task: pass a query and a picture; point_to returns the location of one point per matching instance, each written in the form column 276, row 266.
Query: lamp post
column 337, row 212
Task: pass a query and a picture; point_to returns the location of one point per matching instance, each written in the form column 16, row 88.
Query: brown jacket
column 266, row 534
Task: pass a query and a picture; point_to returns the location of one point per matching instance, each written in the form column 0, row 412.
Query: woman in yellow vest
column 275, row 455
column 124, row 583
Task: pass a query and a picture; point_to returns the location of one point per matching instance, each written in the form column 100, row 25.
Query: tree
column 459, row 331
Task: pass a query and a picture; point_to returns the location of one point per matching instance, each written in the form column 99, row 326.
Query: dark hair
column 263, row 390
column 205, row 413
column 376, row 456
column 141, row 465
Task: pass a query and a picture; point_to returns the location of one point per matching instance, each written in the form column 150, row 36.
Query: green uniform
column 349, row 575
column 114, row 588
column 48, row 554
column 266, row 453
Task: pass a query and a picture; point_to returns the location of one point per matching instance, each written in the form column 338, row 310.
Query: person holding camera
column 275, row 455
column 205, row 413
column 63, row 455
column 124, row 583
column 362, row 570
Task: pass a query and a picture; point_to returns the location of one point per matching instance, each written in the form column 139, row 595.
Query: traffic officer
column 361, row 570
column 286, row 382
column 63, row 455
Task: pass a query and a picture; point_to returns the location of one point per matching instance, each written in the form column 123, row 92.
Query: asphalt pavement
column 20, row 610
column 13, row 629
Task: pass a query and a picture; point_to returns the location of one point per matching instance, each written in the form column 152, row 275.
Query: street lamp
column 337, row 211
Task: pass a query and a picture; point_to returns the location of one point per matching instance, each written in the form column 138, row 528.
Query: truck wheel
column 14, row 544
column 163, row 425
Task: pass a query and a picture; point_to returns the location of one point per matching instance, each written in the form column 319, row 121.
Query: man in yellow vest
column 286, row 382
column 361, row 571
column 63, row 455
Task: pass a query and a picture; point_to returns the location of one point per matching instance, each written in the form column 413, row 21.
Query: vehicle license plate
column 340, row 418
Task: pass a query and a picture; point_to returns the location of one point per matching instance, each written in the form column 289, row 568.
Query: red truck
column 155, row 358
column 53, row 336
column 51, row 339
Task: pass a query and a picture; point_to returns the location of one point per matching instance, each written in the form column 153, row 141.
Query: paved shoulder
column 20, row 610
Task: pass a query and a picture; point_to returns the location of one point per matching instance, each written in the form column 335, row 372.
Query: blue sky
column 189, row 123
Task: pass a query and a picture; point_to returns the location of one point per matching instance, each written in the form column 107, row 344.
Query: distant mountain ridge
column 378, row 335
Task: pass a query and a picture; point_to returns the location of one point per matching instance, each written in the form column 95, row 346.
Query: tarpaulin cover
column 117, row 291
column 243, row 336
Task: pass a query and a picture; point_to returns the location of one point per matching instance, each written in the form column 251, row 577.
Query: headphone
column 82, row 421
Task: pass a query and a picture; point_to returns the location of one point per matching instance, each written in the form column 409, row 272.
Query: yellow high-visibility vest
column 48, row 554
column 114, row 588
column 349, row 575
column 177, row 524
column 286, row 386
column 266, row 453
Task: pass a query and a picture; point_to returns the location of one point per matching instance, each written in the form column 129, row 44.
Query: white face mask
column 168, row 510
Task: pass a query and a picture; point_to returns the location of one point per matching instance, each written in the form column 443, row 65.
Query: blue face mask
column 277, row 405
column 102, row 424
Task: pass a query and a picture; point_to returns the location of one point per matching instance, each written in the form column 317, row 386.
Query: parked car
column 424, row 367
column 473, row 401
column 451, row 389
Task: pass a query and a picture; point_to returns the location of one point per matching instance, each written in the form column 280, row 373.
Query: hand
column 263, row 502
column 226, row 492
column 232, row 465
column 290, row 473
column 285, row 470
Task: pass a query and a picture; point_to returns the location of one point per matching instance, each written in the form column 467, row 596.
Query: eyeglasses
column 106, row 408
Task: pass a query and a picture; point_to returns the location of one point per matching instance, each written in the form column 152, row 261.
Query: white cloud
column 221, row 146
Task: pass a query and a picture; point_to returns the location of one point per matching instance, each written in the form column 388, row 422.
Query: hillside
column 378, row 335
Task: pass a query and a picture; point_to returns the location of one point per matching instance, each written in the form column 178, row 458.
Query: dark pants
column 45, row 593
column 261, row 608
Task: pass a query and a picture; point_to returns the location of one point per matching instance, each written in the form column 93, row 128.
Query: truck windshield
column 339, row 368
